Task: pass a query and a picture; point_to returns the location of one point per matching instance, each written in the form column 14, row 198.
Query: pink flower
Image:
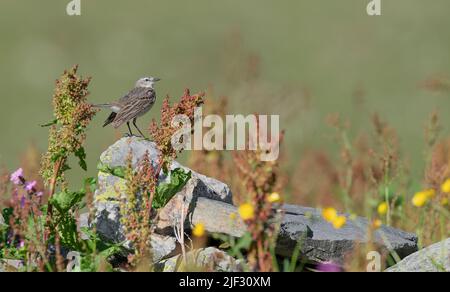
column 328, row 267
column 40, row 194
column 17, row 176
column 30, row 186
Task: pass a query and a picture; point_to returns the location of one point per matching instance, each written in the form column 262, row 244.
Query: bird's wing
column 139, row 100
column 137, row 91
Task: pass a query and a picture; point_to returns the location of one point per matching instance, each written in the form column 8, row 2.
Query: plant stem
column 53, row 181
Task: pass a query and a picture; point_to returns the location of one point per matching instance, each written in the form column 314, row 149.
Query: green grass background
column 326, row 48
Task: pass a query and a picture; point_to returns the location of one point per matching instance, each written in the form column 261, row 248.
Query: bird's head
column 147, row 82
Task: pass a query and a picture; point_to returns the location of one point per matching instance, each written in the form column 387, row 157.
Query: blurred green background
column 302, row 59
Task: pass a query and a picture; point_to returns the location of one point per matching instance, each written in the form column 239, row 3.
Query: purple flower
column 328, row 267
column 30, row 186
column 21, row 244
column 17, row 176
column 22, row 202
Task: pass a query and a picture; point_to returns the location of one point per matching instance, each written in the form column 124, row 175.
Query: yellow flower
column 329, row 214
column 446, row 186
column 199, row 230
column 246, row 211
column 339, row 221
column 420, row 199
column 377, row 223
column 444, row 201
column 233, row 216
column 274, row 198
column 382, row 208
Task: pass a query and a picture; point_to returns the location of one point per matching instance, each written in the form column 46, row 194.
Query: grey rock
column 217, row 217
column 111, row 189
column 434, row 258
column 322, row 242
column 206, row 259
column 208, row 201
column 162, row 247
column 319, row 241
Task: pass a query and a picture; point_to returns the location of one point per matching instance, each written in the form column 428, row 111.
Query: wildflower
column 22, row 201
column 420, row 199
column 30, row 186
column 17, row 176
column 339, row 221
column 274, row 198
column 233, row 216
column 446, row 186
column 377, row 223
column 382, row 208
column 328, row 267
column 246, row 211
column 329, row 214
column 199, row 230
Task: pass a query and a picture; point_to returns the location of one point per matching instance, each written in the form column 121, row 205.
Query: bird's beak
column 156, row 79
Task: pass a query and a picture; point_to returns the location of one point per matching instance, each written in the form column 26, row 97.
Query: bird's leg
column 134, row 123
column 129, row 129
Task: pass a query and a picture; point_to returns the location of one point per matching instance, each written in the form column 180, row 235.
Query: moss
column 112, row 192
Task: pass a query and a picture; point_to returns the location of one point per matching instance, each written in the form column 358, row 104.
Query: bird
column 133, row 105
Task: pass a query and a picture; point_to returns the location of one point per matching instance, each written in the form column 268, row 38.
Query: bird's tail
column 103, row 105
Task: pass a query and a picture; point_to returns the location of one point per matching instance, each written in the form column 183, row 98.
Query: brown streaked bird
column 133, row 105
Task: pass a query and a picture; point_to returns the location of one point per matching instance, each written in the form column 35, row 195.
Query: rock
column 162, row 247
column 434, row 258
column 208, row 201
column 111, row 188
column 320, row 241
column 2, row 221
column 324, row 243
column 208, row 259
column 216, row 217
column 11, row 265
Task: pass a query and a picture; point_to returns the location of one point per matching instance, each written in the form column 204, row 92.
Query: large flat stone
column 320, row 241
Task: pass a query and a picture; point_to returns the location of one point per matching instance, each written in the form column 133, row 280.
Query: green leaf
column 64, row 201
column 54, row 122
column 165, row 191
column 81, row 154
column 118, row 171
column 244, row 242
column 7, row 212
column 90, row 183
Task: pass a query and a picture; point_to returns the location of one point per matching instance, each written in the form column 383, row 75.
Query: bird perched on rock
column 133, row 105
